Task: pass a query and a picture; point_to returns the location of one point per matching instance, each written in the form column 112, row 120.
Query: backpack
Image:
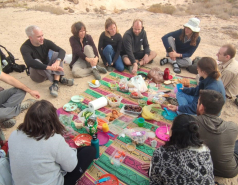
column 11, row 66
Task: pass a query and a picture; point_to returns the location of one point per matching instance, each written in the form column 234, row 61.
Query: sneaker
column 101, row 69
column 130, row 68
column 96, row 74
column 54, row 90
column 66, row 81
column 8, row 123
column 26, row 104
column 109, row 68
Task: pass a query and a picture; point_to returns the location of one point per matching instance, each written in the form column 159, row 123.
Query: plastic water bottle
column 95, row 143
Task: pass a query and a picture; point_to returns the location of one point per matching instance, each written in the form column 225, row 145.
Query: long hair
column 194, row 37
column 209, row 66
column 41, row 121
column 108, row 23
column 76, row 27
column 184, row 133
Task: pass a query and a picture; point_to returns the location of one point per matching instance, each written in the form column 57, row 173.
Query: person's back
column 39, row 162
column 182, row 166
column 219, row 135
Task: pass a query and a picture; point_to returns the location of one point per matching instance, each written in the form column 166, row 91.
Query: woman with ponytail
column 183, row 159
column 209, row 79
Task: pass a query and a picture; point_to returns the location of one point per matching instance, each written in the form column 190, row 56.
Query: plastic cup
column 153, row 143
column 179, row 87
column 141, row 121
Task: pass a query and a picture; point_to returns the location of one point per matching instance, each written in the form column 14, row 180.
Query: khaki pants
column 82, row 68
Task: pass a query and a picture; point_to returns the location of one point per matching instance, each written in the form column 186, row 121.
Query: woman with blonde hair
column 109, row 46
column 85, row 54
column 209, row 79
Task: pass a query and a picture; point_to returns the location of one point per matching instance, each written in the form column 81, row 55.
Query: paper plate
column 77, row 98
column 113, row 180
column 70, row 107
column 93, row 86
column 103, row 138
column 161, row 133
column 171, row 115
column 83, row 140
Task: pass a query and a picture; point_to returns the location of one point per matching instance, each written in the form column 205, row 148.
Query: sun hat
column 193, row 24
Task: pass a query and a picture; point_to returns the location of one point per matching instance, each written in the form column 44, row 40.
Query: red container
column 166, row 74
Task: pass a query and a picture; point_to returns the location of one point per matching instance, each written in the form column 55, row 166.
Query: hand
column 56, row 64
column 173, row 54
column 59, row 68
column 145, row 59
column 172, row 108
column 34, row 94
column 135, row 67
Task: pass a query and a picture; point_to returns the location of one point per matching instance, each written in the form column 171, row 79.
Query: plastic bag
column 152, row 111
column 139, row 83
column 123, row 85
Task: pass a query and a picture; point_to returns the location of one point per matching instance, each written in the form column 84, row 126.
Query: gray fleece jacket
column 42, row 162
column 220, row 137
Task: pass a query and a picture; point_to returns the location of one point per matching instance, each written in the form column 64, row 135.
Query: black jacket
column 133, row 44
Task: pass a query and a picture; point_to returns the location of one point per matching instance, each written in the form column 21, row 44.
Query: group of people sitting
column 184, row 159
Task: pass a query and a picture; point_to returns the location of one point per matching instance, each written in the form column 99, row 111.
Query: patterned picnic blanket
column 130, row 171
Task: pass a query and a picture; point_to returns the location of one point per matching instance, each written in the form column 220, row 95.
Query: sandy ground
column 57, row 28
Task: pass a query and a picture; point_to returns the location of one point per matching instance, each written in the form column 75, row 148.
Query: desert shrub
column 222, row 9
column 159, row 8
column 46, row 8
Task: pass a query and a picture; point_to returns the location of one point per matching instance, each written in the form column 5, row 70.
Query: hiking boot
column 54, row 90
column 8, row 123
column 26, row 104
column 109, row 68
column 96, row 74
column 101, row 69
column 66, row 81
column 130, row 68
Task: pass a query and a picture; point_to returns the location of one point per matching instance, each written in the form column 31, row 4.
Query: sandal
column 176, row 68
column 163, row 61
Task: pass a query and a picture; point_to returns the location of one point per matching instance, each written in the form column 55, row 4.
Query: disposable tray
column 132, row 112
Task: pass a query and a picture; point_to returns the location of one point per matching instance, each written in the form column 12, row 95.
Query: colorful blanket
column 130, row 171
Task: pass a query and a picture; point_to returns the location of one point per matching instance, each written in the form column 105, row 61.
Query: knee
column 108, row 49
column 120, row 68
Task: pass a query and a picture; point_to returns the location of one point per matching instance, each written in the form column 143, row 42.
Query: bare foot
column 135, row 67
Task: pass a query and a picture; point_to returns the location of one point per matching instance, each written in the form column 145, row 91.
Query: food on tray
column 136, row 94
column 112, row 99
column 87, row 114
column 184, row 81
column 113, row 115
column 133, row 108
column 167, row 82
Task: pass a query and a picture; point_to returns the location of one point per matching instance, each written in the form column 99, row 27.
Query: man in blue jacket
column 181, row 44
column 135, row 48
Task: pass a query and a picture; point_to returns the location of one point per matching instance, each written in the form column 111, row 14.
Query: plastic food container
column 113, row 85
column 114, row 100
column 83, row 114
column 139, row 137
column 117, row 157
column 133, row 109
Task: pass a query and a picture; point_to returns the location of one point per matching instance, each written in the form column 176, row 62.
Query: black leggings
column 85, row 157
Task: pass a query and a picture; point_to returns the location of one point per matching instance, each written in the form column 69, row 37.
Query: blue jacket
column 183, row 48
column 208, row 83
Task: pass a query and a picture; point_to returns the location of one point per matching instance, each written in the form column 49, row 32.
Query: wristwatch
column 59, row 59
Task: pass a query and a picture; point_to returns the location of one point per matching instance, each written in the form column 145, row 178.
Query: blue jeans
column 109, row 54
column 183, row 99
